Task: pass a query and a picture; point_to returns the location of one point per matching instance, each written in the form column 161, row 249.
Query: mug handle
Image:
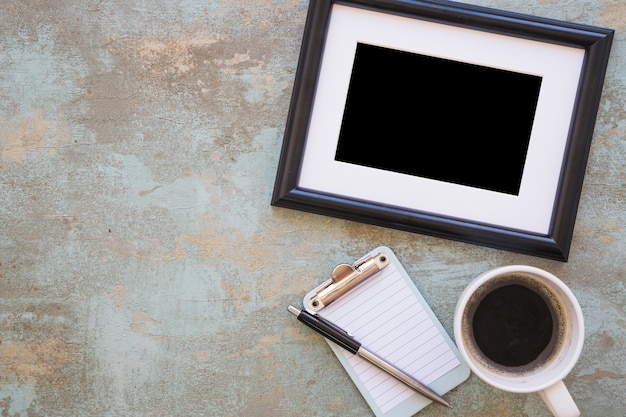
column 559, row 400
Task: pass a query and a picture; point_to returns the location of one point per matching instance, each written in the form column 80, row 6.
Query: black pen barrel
column 329, row 332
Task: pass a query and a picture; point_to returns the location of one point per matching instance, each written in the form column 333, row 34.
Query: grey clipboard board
column 389, row 310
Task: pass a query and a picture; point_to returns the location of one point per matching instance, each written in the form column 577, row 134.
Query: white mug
column 545, row 373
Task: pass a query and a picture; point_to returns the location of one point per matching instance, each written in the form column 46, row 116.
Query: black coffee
column 513, row 325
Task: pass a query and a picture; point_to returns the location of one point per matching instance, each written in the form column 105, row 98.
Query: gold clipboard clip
column 345, row 277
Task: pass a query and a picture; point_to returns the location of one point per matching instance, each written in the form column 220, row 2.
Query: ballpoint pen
column 334, row 333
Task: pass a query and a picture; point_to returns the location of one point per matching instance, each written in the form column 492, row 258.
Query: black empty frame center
column 438, row 119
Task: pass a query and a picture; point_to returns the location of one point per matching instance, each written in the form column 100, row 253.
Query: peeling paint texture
column 143, row 271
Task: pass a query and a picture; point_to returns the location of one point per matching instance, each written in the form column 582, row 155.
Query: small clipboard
column 380, row 306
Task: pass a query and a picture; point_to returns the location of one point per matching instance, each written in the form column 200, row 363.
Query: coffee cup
column 521, row 329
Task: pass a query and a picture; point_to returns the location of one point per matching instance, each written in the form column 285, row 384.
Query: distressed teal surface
column 144, row 272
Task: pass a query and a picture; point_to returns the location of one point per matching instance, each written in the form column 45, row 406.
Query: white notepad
column 389, row 316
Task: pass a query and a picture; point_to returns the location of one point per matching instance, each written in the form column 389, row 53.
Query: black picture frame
column 554, row 242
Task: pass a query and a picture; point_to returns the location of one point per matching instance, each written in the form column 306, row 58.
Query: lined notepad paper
column 390, row 318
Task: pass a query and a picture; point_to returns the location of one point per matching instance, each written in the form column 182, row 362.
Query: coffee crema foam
column 555, row 306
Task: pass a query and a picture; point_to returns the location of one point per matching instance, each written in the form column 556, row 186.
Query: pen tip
column 443, row 402
column 293, row 310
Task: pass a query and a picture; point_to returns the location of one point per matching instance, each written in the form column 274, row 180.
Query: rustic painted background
column 142, row 269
